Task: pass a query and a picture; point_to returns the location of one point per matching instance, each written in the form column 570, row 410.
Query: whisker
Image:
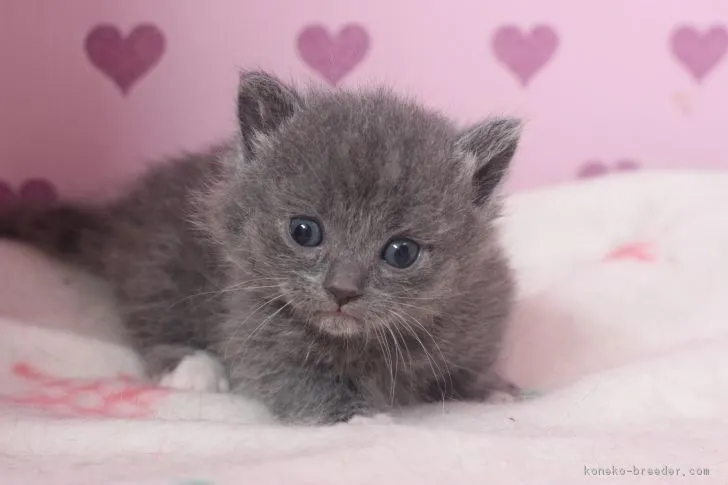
column 234, row 287
column 254, row 280
column 397, row 352
column 441, row 296
column 250, row 315
column 426, row 310
column 434, row 342
column 399, row 303
column 381, row 340
column 261, row 325
column 367, row 332
column 406, row 347
column 430, row 360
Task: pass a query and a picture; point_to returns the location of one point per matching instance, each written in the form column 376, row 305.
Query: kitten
column 338, row 255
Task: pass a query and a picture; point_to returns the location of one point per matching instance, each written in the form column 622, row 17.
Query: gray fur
column 199, row 253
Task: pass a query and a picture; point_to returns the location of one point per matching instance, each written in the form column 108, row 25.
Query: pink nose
column 343, row 293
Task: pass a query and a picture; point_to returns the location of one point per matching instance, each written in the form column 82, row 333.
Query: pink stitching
column 122, row 396
column 639, row 251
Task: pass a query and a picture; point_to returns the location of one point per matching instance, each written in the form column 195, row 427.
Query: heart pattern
column 699, row 52
column 596, row 168
column 333, row 56
column 36, row 190
column 125, row 60
column 525, row 54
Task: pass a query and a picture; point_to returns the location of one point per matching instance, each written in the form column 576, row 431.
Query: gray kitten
column 338, row 255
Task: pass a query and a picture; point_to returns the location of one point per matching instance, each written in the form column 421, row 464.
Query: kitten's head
column 358, row 212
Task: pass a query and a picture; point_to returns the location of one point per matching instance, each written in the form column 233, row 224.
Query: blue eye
column 401, row 253
column 306, row 232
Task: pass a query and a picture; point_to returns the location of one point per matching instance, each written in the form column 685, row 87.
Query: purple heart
column 592, row 168
column 39, row 191
column 125, row 60
column 333, row 57
column 7, row 195
column 699, row 52
column 627, row 165
column 524, row 54
column 36, row 191
column 595, row 168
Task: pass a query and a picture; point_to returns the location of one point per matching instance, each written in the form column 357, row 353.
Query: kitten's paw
column 379, row 418
column 502, row 391
column 501, row 397
column 198, row 372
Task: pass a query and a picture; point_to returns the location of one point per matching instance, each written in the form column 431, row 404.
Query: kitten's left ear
column 489, row 148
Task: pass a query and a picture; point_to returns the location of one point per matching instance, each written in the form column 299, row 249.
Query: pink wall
column 612, row 84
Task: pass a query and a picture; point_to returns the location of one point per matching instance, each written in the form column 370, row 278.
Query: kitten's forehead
column 374, row 150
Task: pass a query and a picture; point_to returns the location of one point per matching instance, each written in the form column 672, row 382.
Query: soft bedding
column 620, row 340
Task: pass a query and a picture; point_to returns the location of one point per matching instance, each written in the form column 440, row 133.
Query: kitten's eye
column 401, row 253
column 306, row 232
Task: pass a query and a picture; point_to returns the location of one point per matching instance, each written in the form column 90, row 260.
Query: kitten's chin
column 339, row 325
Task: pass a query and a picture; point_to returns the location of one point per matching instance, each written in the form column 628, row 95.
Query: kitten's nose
column 345, row 283
column 343, row 294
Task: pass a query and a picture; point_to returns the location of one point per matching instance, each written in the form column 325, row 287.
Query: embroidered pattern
column 121, row 397
column 638, row 251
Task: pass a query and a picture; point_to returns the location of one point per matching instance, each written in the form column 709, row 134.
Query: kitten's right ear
column 490, row 147
column 264, row 103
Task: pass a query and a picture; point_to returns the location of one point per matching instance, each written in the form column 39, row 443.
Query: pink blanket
column 621, row 334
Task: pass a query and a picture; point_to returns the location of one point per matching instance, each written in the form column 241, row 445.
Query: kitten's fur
column 200, row 254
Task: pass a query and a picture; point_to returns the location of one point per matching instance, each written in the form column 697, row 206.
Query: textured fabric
column 620, row 340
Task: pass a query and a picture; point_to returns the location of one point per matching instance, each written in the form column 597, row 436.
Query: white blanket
column 621, row 332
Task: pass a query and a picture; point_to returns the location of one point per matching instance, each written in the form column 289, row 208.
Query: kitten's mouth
column 338, row 313
column 339, row 323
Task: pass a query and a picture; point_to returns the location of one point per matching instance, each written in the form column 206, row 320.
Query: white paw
column 379, row 418
column 500, row 397
column 199, row 372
